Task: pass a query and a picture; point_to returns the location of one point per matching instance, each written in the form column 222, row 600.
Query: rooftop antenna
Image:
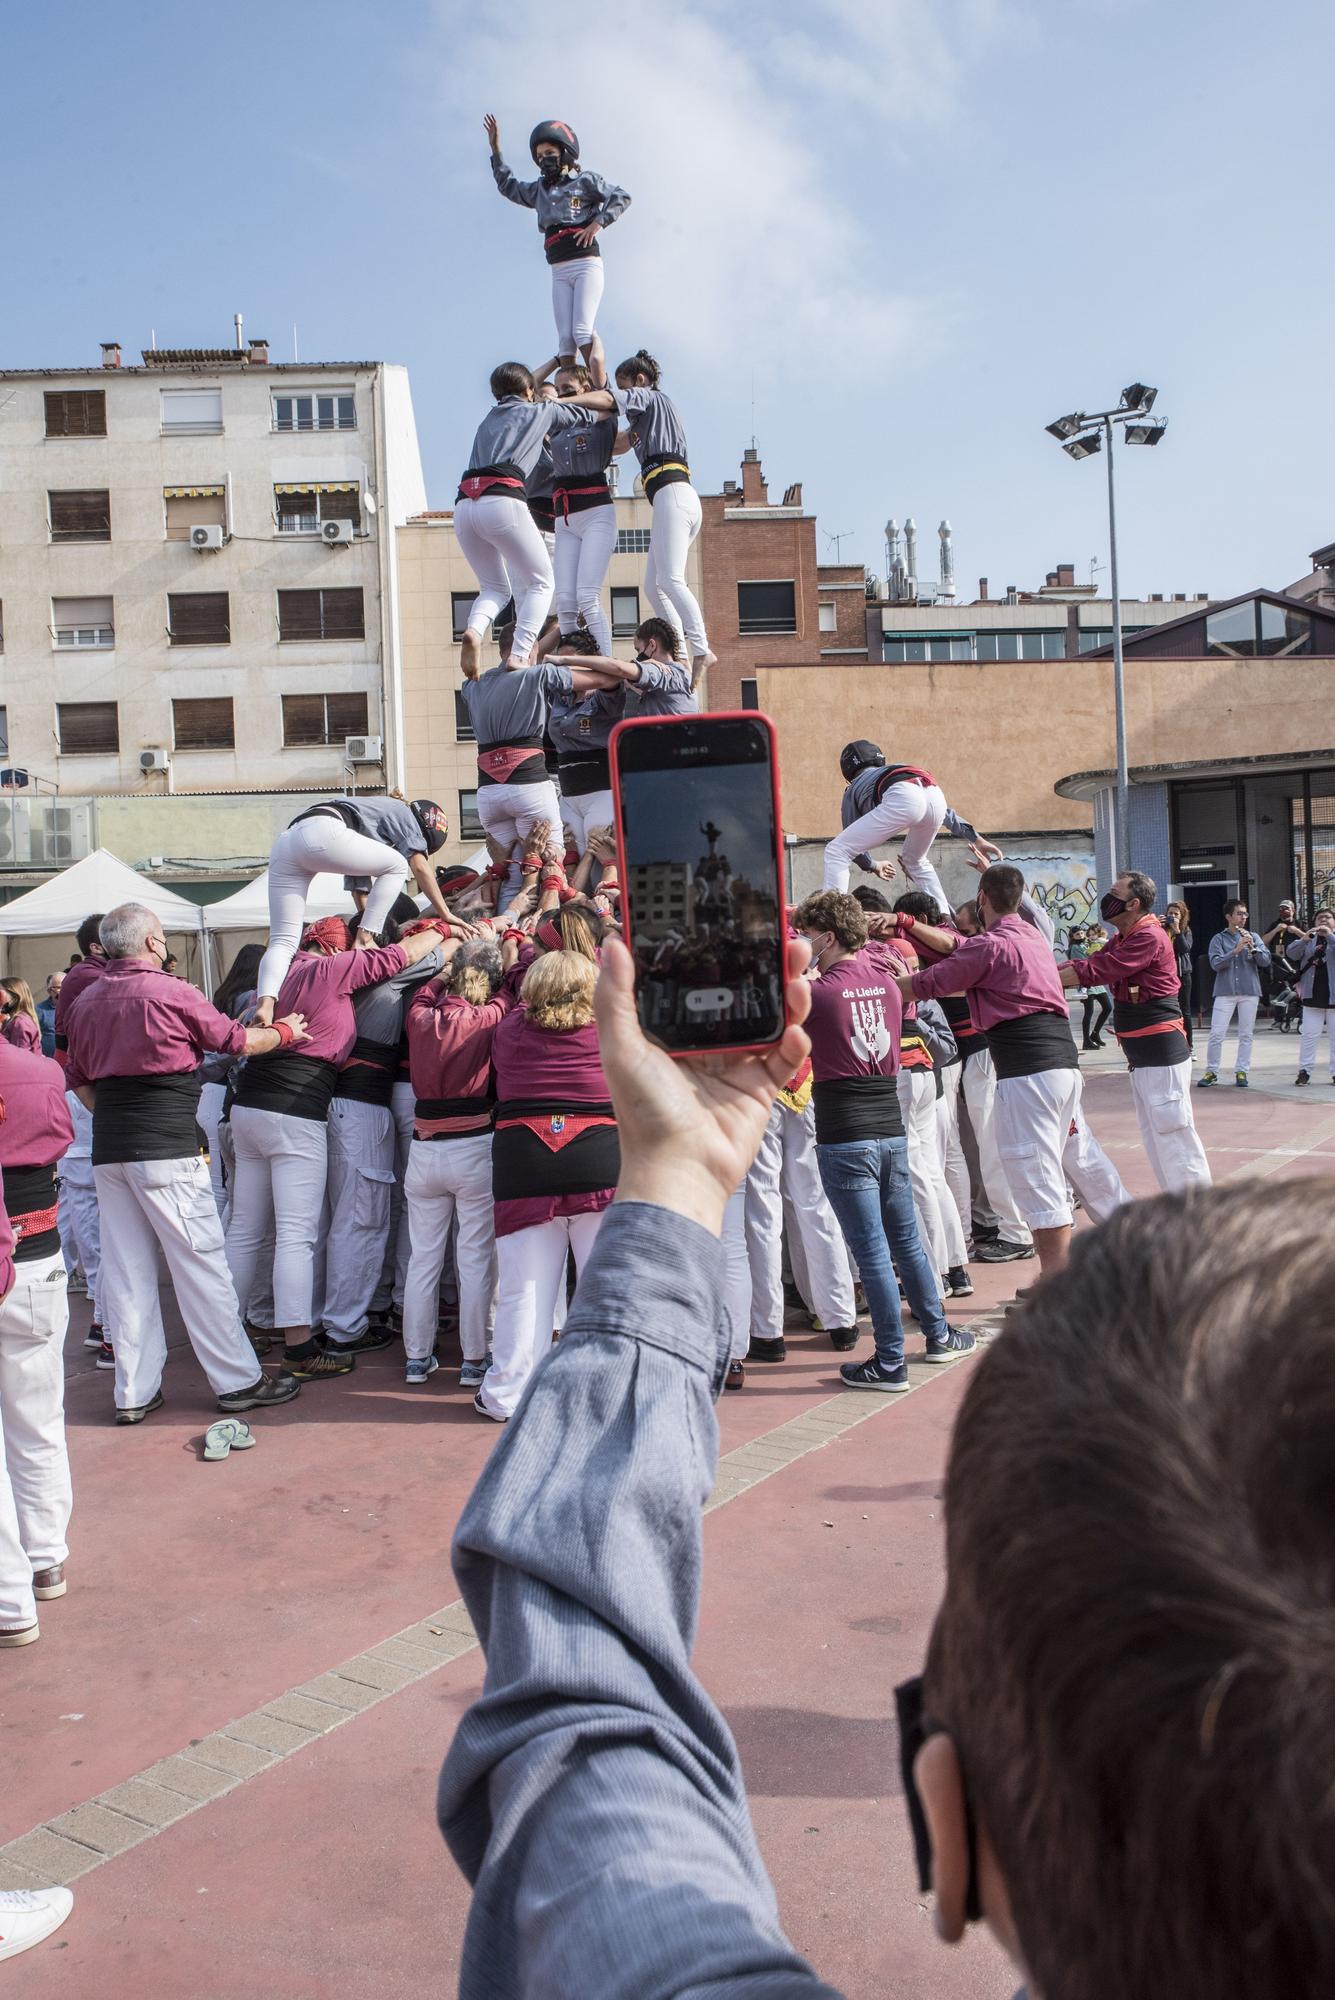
column 236, row 321
column 753, row 409
column 295, row 355
column 839, row 541
column 152, row 340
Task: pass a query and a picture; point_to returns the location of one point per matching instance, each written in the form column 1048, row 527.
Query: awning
column 316, row 486
column 191, row 492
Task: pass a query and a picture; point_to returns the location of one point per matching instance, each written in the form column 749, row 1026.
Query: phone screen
column 703, row 892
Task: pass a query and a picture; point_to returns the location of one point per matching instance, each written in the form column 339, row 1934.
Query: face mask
column 640, row 659
column 550, row 168
column 915, row 1728
column 1112, row 906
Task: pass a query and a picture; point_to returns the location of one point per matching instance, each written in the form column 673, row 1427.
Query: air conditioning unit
column 154, row 760
column 338, row 534
column 363, row 749
column 59, row 834
column 208, row 535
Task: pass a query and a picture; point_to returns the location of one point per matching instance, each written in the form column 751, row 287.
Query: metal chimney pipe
column 911, row 555
column 236, row 321
column 894, row 561
column 947, row 561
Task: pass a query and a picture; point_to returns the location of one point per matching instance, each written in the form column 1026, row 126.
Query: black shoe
column 842, row 1338
column 983, row 1232
column 1002, row 1252
column 317, row 1366
column 954, row 1342
column 483, row 1411
column 766, row 1350
column 94, row 1338
column 735, row 1377
column 376, row 1336
column 1089, row 1043
column 260, row 1395
column 1098, row 1042
column 959, row 1282
column 136, row 1416
column 869, row 1374
column 1302, row 1077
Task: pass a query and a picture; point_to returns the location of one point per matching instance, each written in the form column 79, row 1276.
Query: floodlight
column 1065, row 427
column 1086, row 446
column 1139, row 397
column 1144, row 433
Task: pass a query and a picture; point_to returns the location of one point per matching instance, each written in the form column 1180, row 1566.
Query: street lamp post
column 1082, row 434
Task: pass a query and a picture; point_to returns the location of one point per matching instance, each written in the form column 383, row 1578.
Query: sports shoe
column 375, row 1335
column 260, row 1338
column 418, row 1369
column 261, row 1395
column 842, row 1338
column 473, row 1372
column 1240, row 1078
column 106, row 1355
column 735, row 1377
column 27, row 1916
column 49, row 1582
column 135, row 1414
column 983, row 1232
column 1204, row 1082
column 869, row 1374
column 1303, row 1077
column 953, row 1342
column 958, row 1282
column 94, row 1337
column 318, row 1366
column 1002, row 1252
column 483, row 1411
column 766, row 1350
column 19, row 1635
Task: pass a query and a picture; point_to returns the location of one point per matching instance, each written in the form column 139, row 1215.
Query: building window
column 322, row 718
column 470, row 826
column 750, row 694
column 766, row 607
column 303, row 510
column 87, row 728
column 461, row 604
column 198, row 618
column 80, row 515
column 625, row 613
column 632, row 541
column 333, row 410
column 187, row 507
column 76, row 413
column 463, row 721
column 4, row 732
column 1101, row 635
column 191, row 412
column 829, row 618
column 1255, row 628
column 203, row 725
column 82, row 624
column 321, row 614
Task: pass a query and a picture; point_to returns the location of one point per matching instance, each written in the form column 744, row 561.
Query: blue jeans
column 867, row 1182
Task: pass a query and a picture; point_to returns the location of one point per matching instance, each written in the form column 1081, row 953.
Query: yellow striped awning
column 318, row 486
column 191, row 492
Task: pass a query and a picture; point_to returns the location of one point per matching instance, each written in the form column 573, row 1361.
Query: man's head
column 1132, row 1662
column 1000, row 888
column 869, row 898
column 833, row 923
column 132, row 930
column 1287, row 911
column 1130, row 898
column 1235, row 914
column 1324, row 921
column 54, row 982
column 966, row 918
column 326, row 936
column 920, row 906
column 88, row 937
column 859, row 756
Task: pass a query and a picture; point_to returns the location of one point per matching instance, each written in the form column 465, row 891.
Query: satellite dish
column 368, row 501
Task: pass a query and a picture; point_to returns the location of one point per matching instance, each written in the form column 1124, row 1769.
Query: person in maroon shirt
column 278, row 1124
column 35, row 1492
column 19, row 1025
column 80, row 975
column 1141, row 968
column 136, row 1038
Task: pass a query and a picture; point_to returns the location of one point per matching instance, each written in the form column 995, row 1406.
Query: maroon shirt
column 1006, row 972
column 321, row 988
column 6, row 1247
column 22, row 1032
column 37, row 1127
column 552, row 1066
column 76, row 980
column 139, row 1021
column 449, row 1056
column 1141, row 965
column 856, row 1018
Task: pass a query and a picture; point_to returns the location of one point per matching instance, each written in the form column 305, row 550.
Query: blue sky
column 907, row 232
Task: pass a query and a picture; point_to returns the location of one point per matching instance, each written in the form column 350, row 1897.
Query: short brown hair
column 1003, row 886
column 832, row 910
column 1143, row 887
column 558, row 990
column 1134, row 1655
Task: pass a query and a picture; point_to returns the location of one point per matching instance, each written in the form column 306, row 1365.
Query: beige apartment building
column 436, row 592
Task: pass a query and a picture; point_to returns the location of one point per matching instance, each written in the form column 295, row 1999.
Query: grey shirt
column 1237, row 972
column 513, row 432
column 380, row 1009
column 582, row 451
column 387, row 820
column 572, row 202
column 662, row 689
column 509, row 704
column 592, row 1794
column 656, row 429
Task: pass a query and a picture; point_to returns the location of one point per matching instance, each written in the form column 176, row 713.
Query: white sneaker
column 29, row 1915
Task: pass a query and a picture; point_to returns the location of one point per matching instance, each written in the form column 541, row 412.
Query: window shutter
column 80, row 515
column 203, row 725
column 80, row 611
column 303, row 719
column 346, row 716
column 88, row 726
column 766, row 607
column 342, row 616
column 192, row 410
column 299, row 614
column 198, row 618
column 76, row 413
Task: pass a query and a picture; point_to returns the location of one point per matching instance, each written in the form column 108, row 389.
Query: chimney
column 1066, row 576
column 754, row 490
column 982, row 590
column 911, row 559
column 1012, row 594
column 259, row 352
column 947, row 561
column 111, row 354
column 793, row 495
column 1179, row 597
column 1156, row 597
column 730, row 487
column 1051, row 580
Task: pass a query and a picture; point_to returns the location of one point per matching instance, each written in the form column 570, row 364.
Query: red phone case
column 675, row 721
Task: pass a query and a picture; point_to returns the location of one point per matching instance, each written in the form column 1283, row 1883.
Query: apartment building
column 198, row 589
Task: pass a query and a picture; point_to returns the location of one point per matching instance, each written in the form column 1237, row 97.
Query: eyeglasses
column 916, row 1727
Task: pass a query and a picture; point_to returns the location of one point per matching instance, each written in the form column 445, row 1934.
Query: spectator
column 18, row 1017
column 1237, row 957
column 1177, row 923
column 1081, row 942
column 46, row 1012
column 1312, row 956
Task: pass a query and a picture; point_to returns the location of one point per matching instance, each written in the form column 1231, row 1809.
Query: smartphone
column 702, row 885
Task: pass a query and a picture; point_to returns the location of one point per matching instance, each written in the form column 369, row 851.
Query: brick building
column 767, row 600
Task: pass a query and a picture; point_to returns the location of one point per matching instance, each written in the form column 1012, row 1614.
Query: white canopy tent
column 99, row 882
column 247, row 908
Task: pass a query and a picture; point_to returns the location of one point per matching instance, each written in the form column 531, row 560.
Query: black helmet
column 431, row 818
column 554, row 132
column 859, row 756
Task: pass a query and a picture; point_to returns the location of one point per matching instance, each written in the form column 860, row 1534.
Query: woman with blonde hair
column 18, row 1016
column 555, row 1162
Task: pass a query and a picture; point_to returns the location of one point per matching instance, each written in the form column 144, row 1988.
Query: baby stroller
column 1285, row 1006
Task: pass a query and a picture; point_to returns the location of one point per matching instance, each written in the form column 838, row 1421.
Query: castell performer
column 882, row 802
column 1141, row 968
column 572, row 207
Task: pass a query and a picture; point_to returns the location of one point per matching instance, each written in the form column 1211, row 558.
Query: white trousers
column 1313, row 1021
column 508, row 812
column 394, row 1269
column 531, row 1271
column 577, row 290
column 35, row 1491
column 1168, row 1132
column 282, row 1165
column 360, row 1183
column 78, row 1211
column 1221, row 1014
column 504, row 549
column 1045, row 1142
column 980, row 1098
column 212, row 1097
column 584, row 546
column 449, row 1179
column 675, row 525
column 583, row 813
column 785, row 1166
column 149, row 1205
column 953, row 1163
column 315, row 847
column 736, row 1275
column 908, row 809
column 939, row 1225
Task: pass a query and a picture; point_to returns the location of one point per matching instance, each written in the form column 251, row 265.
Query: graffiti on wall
column 1064, row 888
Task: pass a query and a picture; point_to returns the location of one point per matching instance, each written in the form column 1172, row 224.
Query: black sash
column 1032, row 1043
column 585, row 771
column 367, row 1077
column 666, row 468
column 1164, row 1044
column 302, row 1086
column 522, row 1167
column 31, row 1192
column 850, row 1108
column 147, row 1118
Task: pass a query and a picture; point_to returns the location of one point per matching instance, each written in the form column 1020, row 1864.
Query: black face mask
column 640, row 658
column 915, row 1728
column 550, row 168
column 1111, row 906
